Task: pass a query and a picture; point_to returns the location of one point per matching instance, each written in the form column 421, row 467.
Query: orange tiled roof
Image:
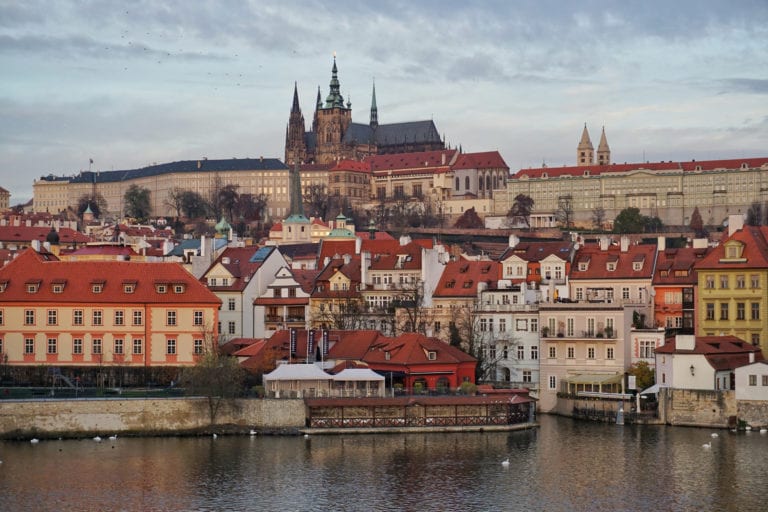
column 461, row 278
column 239, row 265
column 485, row 160
column 755, row 253
column 598, row 260
column 25, row 234
column 677, row 266
column 79, row 278
column 402, row 161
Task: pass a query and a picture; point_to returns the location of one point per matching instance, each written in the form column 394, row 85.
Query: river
column 565, row 465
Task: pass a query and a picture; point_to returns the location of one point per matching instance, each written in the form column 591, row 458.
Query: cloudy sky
column 129, row 83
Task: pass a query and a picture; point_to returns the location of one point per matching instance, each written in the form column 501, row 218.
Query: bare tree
column 564, row 212
column 474, row 341
column 598, row 217
column 317, row 200
column 175, row 200
column 411, row 313
column 344, row 312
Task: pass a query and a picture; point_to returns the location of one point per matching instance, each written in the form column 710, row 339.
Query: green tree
column 137, row 203
column 645, row 376
column 521, row 209
column 629, row 220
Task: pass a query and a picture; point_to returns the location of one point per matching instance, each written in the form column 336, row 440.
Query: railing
column 420, row 421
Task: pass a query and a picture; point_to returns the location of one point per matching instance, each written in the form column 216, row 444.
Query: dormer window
column 637, row 265
column 32, row 287
column 57, row 288
column 178, row 288
column 431, row 355
column 734, row 251
column 97, row 287
column 161, row 288
column 387, row 355
column 3, row 286
column 129, row 287
column 611, row 266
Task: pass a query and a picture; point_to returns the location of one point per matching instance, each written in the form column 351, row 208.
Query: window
column 552, row 352
column 569, row 323
column 552, row 382
column 609, row 352
column 431, row 355
column 138, row 317
column 505, row 352
column 590, row 326
column 753, row 380
column 571, row 350
column 231, row 327
column 520, row 352
column 58, row 288
column 754, row 280
column 29, row 317
column 724, row 282
column 197, row 318
column 51, row 345
column 710, row 310
column 755, row 312
column 741, row 313
column 590, row 352
column 97, row 317
column 724, row 311
column 171, row 347
column 483, row 325
column 231, row 304
column 128, row 288
column 53, row 317
column 77, row 346
column 579, row 293
column 161, row 288
column 437, row 327
column 118, row 346
column 138, row 346
column 535, row 352
column 170, row 317
column 755, row 338
column 96, row 346
column 179, row 288
column 466, row 183
column 527, row 376
column 29, row 346
column 2, row 317
column 198, row 347
column 741, row 282
column 709, row 282
column 765, row 380
column 647, row 349
column 492, row 352
column 119, row 317
column 502, row 325
column 534, row 325
column 625, row 293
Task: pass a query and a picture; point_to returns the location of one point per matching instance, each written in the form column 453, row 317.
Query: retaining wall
column 84, row 417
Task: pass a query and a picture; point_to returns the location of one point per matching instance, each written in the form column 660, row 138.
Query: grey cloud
column 746, row 85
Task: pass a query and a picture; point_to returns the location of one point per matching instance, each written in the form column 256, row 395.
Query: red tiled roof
column 755, row 254
column 678, row 261
column 28, row 233
column 239, row 265
column 352, row 165
column 485, row 160
column 416, row 160
column 598, row 260
column 594, row 170
column 409, row 255
column 722, row 352
column 81, row 275
column 461, row 278
column 536, row 251
column 413, row 348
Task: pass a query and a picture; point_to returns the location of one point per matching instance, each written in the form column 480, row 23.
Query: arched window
column 457, row 184
column 488, row 182
column 466, row 183
column 480, row 183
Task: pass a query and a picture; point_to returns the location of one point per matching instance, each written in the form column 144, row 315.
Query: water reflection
column 564, row 465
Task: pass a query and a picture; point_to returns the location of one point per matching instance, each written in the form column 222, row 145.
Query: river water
column 565, row 465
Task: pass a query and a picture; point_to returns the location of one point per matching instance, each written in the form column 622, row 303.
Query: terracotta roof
column 536, row 251
column 755, row 254
column 461, row 278
column 598, row 260
column 352, row 165
column 350, row 270
column 241, row 263
column 80, row 276
column 413, row 348
column 401, row 257
column 594, row 169
column 26, row 234
column 395, row 161
column 485, row 160
column 676, row 266
column 722, row 352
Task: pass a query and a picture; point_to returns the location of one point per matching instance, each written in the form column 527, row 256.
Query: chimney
column 513, row 241
column 358, row 244
column 751, row 357
column 36, row 245
column 605, row 242
column 661, row 244
column 624, row 241
column 443, row 159
column 365, row 263
column 405, row 240
column 735, row 223
column 202, row 245
column 685, row 342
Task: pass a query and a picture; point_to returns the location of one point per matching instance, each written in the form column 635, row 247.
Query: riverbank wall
column 23, row 419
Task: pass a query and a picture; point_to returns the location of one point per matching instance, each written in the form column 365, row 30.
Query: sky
column 132, row 83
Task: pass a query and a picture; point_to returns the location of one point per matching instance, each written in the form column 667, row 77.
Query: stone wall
column 698, row 408
column 72, row 418
column 754, row 412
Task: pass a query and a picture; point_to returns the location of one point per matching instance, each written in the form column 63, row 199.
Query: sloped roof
column 297, row 372
column 241, row 263
column 420, row 159
column 673, row 264
column 80, row 276
column 357, row 374
column 624, row 269
column 721, row 352
column 413, row 348
column 25, row 234
column 400, row 257
column 755, row 253
column 596, row 169
column 534, row 251
column 461, row 278
column 484, row 160
column 413, row 132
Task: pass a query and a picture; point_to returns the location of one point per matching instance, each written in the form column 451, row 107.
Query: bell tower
column 585, row 153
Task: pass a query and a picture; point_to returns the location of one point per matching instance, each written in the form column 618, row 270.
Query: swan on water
column 34, row 440
column 714, row 434
column 254, row 433
column 707, row 445
column 215, row 436
column 113, row 437
column 97, row 439
column 505, row 462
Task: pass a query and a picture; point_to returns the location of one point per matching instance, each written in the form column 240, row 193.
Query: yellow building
column 732, row 283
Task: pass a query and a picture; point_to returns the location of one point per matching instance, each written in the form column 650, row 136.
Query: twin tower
column 585, row 153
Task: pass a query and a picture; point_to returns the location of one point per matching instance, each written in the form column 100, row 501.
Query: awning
column 653, row 390
column 595, row 378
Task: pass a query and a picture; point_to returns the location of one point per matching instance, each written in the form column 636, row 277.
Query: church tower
column 603, row 151
column 333, row 118
column 295, row 144
column 585, row 153
column 374, row 110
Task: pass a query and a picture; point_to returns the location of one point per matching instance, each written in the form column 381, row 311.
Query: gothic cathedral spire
column 295, row 145
column 603, row 151
column 374, row 109
column 585, row 153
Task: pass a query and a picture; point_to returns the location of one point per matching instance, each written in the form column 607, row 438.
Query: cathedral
column 334, row 136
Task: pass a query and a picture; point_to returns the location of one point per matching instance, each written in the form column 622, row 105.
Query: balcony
column 280, row 318
column 504, row 308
